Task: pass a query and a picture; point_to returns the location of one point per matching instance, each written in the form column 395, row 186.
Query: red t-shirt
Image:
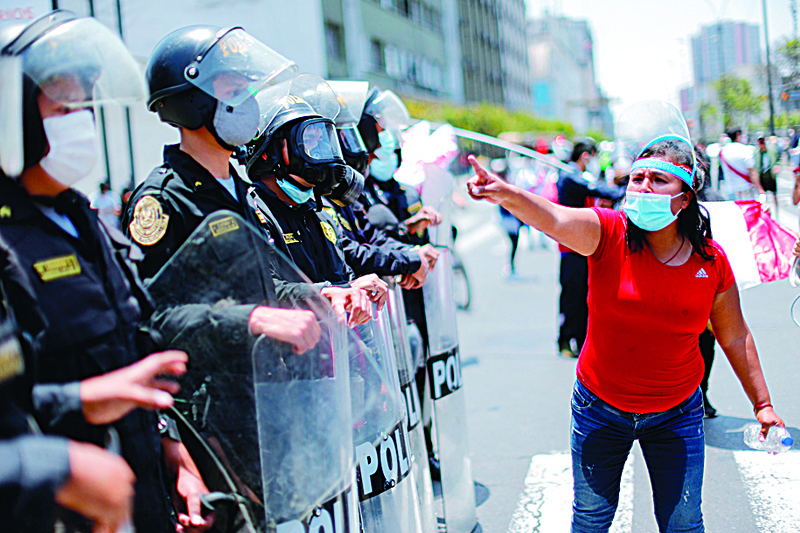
column 641, row 353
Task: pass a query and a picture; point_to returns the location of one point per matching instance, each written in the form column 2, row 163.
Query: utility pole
column 769, row 73
column 793, row 7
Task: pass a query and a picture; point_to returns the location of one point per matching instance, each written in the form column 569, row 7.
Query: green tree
column 737, row 100
column 788, row 62
column 485, row 118
column 708, row 113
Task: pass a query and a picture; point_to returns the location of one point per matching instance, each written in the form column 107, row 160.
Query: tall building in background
column 405, row 45
column 729, row 48
column 516, row 72
column 561, row 59
column 479, row 36
column 724, row 48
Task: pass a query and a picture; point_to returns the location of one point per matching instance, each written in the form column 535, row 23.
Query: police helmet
column 45, row 49
column 194, row 68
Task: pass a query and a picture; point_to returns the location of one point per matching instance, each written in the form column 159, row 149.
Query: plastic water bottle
column 778, row 439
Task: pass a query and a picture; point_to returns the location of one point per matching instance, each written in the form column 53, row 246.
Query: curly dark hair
column 693, row 221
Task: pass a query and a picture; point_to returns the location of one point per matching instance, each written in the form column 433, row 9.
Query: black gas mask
column 316, row 156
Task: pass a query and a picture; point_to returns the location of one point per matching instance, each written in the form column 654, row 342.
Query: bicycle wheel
column 461, row 289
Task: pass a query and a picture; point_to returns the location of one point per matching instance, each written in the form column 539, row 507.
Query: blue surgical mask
column 383, row 167
column 651, row 212
column 298, row 195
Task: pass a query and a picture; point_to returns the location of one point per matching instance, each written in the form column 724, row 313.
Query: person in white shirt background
column 738, row 168
column 108, row 206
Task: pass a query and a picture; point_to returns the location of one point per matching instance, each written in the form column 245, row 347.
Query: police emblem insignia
column 5, row 212
column 290, row 238
column 149, row 223
column 327, row 229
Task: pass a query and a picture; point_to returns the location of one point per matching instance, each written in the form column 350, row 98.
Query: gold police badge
column 327, row 229
column 149, row 222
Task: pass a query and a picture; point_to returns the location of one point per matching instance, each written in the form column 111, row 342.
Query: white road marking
column 545, row 505
column 771, row 482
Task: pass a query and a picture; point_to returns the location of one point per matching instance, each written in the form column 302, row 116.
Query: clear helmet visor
column 390, row 112
column 317, row 139
column 82, row 63
column 645, row 123
column 351, row 96
column 351, row 140
column 307, row 93
column 237, row 67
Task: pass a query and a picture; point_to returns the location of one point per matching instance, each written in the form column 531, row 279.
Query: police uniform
column 404, row 202
column 312, row 239
column 167, row 207
column 93, row 304
column 367, row 249
column 32, row 468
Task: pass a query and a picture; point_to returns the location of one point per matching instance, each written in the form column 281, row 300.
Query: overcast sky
column 642, row 48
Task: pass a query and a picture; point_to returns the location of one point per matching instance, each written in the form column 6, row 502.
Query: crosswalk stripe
column 771, row 482
column 545, row 505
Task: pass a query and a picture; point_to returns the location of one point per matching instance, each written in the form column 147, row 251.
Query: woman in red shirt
column 654, row 270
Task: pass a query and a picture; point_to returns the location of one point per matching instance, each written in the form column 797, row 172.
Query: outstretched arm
column 579, row 229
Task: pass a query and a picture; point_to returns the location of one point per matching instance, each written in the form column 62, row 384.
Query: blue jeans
column 674, row 450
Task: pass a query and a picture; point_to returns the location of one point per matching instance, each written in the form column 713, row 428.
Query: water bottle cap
column 787, row 441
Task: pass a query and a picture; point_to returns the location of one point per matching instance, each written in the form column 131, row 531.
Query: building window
column 377, row 55
column 333, row 42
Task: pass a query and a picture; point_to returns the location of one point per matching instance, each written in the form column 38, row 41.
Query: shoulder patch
column 327, row 229
column 58, row 267
column 149, row 222
column 5, row 211
column 290, row 238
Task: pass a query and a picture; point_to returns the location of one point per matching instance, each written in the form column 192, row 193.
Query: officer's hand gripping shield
column 270, row 428
column 445, row 388
column 645, row 123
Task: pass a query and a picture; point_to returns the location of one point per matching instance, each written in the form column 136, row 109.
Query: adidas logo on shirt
column 701, row 273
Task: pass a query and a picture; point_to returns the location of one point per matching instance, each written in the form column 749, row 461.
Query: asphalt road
column 518, row 399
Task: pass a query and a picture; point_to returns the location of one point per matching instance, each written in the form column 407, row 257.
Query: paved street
column 518, row 399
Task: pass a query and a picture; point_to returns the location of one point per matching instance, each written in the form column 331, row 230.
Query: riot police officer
column 78, row 270
column 293, row 164
column 202, row 80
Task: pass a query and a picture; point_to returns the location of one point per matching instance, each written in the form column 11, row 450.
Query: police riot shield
column 386, row 487
column 411, row 396
column 445, row 388
column 437, row 192
column 271, row 429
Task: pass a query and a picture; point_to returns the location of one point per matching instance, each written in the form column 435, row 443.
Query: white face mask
column 237, row 125
column 73, row 146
